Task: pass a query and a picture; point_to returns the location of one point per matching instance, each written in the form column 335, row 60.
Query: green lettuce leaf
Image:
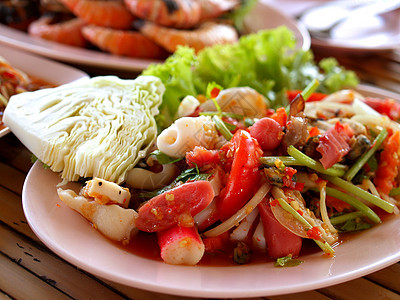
column 267, row 61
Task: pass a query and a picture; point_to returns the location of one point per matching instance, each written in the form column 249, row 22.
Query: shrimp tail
column 171, row 13
column 65, row 32
column 123, row 42
column 113, row 14
column 207, row 34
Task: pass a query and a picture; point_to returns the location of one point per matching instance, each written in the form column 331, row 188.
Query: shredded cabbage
column 94, row 127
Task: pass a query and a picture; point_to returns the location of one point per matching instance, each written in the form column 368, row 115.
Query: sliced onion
column 324, row 212
column 284, row 217
column 241, row 214
column 259, row 237
column 241, row 232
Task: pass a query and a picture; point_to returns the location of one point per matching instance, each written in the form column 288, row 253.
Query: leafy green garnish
column 267, row 61
column 287, row 261
column 242, row 253
column 354, row 225
column 192, row 174
column 163, row 158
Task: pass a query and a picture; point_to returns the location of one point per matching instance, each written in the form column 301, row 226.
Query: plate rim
column 86, row 57
column 187, row 291
column 14, row 56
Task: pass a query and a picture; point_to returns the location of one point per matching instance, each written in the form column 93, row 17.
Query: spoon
column 357, row 8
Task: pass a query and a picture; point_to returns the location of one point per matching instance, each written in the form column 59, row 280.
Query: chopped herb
column 356, row 224
column 287, row 261
column 242, row 253
column 192, row 174
column 249, row 122
column 163, row 158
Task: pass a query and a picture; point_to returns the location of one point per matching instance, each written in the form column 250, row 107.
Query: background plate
column 70, row 236
column 50, row 71
column 263, row 16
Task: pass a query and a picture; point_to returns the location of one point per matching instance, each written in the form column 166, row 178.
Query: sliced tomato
column 244, row 176
column 175, row 206
column 267, row 132
column 217, row 243
column 388, row 107
column 201, row 156
column 280, row 241
column 314, row 96
column 280, row 116
column 337, row 204
column 389, row 162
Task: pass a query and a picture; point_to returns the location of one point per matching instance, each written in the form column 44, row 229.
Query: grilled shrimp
column 65, row 32
column 170, row 13
column 123, row 42
column 207, row 34
column 211, row 9
column 113, row 14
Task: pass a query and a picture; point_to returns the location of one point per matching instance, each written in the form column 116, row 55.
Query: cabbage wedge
column 93, row 127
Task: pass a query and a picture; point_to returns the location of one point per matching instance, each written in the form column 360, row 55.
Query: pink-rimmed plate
column 71, row 237
column 39, row 67
column 262, row 17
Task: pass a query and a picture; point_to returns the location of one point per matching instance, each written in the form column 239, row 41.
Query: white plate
column 264, row 16
column 364, row 33
column 50, row 71
column 70, row 236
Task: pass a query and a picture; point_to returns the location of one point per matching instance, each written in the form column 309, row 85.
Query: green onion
column 312, row 164
column 366, row 156
column 224, row 114
column 364, row 209
column 291, row 161
column 344, row 218
column 222, row 128
column 310, row 88
column 357, row 191
column 286, row 160
column 394, row 192
column 286, row 206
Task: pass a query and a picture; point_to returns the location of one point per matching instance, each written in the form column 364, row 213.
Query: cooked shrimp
column 122, row 42
column 170, row 13
column 113, row 14
column 66, row 32
column 207, row 34
column 211, row 9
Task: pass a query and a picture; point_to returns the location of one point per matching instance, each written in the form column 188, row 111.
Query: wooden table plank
column 314, row 295
column 360, row 288
column 11, row 178
column 13, row 153
column 53, row 270
column 388, row 277
column 11, row 213
column 19, row 283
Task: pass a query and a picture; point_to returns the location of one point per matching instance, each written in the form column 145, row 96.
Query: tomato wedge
column 175, row 206
column 280, row 241
column 244, row 176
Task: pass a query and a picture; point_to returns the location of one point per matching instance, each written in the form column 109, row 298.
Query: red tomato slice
column 314, row 96
column 175, row 206
column 280, row 241
column 244, row 175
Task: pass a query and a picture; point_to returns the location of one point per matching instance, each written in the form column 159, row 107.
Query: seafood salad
column 234, row 177
column 251, row 158
column 148, row 29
